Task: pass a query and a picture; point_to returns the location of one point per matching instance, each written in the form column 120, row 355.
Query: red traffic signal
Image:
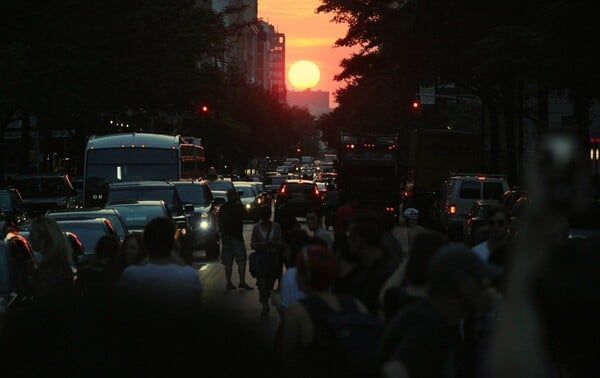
column 416, row 105
column 202, row 109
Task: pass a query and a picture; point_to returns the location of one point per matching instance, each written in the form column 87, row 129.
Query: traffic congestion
column 310, row 188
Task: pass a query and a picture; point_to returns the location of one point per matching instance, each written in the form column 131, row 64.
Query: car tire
column 212, row 249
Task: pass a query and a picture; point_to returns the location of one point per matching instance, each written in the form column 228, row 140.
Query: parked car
column 205, row 224
column 112, row 214
column 299, row 196
column 12, row 206
column 45, row 192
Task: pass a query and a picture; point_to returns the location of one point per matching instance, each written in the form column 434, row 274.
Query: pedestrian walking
column 267, row 241
column 231, row 223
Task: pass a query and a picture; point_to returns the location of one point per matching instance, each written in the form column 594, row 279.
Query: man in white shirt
column 164, row 283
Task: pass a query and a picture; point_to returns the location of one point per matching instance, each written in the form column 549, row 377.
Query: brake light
column 452, row 209
column 317, row 193
column 389, row 209
column 481, row 178
column 283, row 189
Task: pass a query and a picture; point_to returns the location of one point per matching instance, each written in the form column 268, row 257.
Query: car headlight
column 204, row 224
column 248, row 205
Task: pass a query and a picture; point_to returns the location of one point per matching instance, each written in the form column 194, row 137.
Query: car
column 475, row 230
column 205, row 223
column 322, row 185
column 15, row 277
column 220, row 185
column 12, row 206
column 460, row 192
column 299, row 196
column 45, row 192
column 274, row 182
column 88, row 231
column 250, row 199
column 167, row 192
column 112, row 214
column 136, row 214
column 264, row 198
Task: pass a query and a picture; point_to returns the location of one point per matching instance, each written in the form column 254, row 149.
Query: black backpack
column 357, row 334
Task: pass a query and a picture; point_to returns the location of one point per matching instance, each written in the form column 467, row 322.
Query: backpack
column 357, row 334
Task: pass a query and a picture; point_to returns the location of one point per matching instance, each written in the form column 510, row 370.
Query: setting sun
column 304, row 74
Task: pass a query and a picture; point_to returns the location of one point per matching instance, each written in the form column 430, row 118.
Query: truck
column 369, row 170
column 435, row 154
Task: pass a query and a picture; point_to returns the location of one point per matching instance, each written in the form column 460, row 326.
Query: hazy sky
column 309, row 36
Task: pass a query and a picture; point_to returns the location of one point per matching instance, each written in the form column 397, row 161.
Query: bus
column 138, row 157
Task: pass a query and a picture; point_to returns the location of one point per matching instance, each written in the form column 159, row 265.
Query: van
column 460, row 192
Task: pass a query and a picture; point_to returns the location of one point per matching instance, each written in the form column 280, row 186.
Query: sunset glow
column 309, row 36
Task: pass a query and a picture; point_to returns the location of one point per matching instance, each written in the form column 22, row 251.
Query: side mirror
column 219, row 201
column 240, row 193
column 189, row 208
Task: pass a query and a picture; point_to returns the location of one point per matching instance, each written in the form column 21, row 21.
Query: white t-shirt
column 163, row 285
column 482, row 250
column 289, row 291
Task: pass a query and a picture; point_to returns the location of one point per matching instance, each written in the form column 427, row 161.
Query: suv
column 12, row 206
column 46, row 192
column 205, row 225
column 158, row 190
column 299, row 195
column 458, row 195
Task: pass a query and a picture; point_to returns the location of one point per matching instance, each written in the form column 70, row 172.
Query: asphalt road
column 240, row 302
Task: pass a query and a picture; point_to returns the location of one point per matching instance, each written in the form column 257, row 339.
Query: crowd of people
column 445, row 309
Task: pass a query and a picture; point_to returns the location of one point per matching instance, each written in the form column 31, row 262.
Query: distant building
column 270, row 60
column 317, row 102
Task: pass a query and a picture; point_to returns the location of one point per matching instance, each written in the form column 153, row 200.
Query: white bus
column 138, row 157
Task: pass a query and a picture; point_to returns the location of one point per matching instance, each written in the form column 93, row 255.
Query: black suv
column 205, row 230
column 158, row 190
column 12, row 206
column 299, row 196
column 45, row 192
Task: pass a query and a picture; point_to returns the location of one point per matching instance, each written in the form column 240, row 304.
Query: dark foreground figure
column 79, row 338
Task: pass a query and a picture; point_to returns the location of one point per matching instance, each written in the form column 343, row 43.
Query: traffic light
column 416, row 105
column 202, row 109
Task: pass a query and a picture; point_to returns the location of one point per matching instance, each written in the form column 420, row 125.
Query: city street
column 244, row 303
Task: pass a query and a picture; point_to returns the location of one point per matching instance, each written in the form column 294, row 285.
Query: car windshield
column 114, row 218
column 247, row 191
column 137, row 216
column 193, row 194
column 88, row 233
column 220, row 185
column 139, row 194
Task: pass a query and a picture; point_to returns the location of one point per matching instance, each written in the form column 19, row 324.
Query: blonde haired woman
column 55, row 274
